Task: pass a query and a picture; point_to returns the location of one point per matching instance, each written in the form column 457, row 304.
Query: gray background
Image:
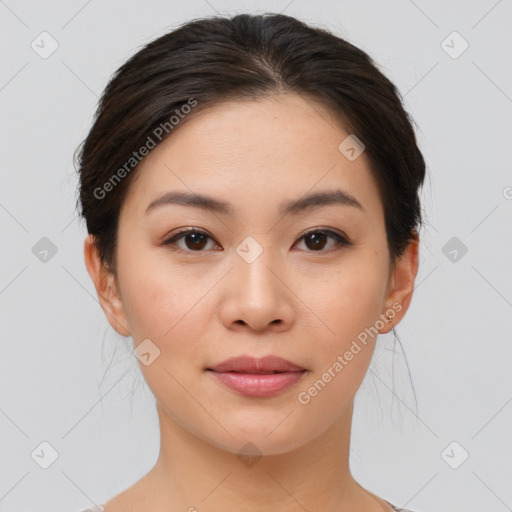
column 68, row 379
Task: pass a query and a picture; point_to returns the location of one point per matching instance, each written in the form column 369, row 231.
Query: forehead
column 254, row 151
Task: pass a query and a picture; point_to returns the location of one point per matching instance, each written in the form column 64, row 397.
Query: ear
column 401, row 284
column 106, row 288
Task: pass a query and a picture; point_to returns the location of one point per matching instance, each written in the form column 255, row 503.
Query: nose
column 257, row 295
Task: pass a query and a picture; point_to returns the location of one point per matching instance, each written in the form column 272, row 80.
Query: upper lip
column 249, row 364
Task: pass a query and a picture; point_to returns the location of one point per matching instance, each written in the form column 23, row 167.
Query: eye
column 196, row 240
column 317, row 239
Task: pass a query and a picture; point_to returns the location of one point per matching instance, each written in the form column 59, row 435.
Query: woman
column 250, row 188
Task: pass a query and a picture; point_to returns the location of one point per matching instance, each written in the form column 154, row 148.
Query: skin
column 202, row 306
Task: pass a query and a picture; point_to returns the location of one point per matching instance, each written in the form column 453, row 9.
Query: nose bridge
column 255, row 269
column 256, row 293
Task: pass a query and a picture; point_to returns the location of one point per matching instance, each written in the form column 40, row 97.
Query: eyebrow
column 293, row 207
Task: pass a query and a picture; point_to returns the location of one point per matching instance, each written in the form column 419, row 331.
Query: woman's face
column 252, row 284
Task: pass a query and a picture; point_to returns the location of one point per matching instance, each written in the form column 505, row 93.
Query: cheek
column 167, row 311
column 163, row 304
column 352, row 300
column 349, row 305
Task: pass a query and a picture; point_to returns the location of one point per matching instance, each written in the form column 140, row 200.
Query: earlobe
column 402, row 283
column 106, row 288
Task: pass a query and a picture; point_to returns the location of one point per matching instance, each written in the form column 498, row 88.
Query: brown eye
column 316, row 240
column 194, row 240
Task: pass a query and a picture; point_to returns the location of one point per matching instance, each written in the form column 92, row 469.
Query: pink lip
column 243, row 374
column 249, row 364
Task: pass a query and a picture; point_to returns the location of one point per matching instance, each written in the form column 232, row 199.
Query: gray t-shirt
column 100, row 508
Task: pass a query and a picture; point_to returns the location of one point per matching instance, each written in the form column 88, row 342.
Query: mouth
column 257, row 366
column 258, row 385
column 254, row 377
column 249, row 372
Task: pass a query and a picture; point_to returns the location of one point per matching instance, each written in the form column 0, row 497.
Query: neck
column 194, row 475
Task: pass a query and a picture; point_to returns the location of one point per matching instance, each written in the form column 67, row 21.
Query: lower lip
column 258, row 385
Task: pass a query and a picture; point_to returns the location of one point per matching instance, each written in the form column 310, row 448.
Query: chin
column 258, row 438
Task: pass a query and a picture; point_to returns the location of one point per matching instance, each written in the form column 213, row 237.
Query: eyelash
column 342, row 241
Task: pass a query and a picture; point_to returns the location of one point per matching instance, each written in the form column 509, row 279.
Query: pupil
column 314, row 237
column 196, row 242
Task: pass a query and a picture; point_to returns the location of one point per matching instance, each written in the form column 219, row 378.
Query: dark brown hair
column 246, row 57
